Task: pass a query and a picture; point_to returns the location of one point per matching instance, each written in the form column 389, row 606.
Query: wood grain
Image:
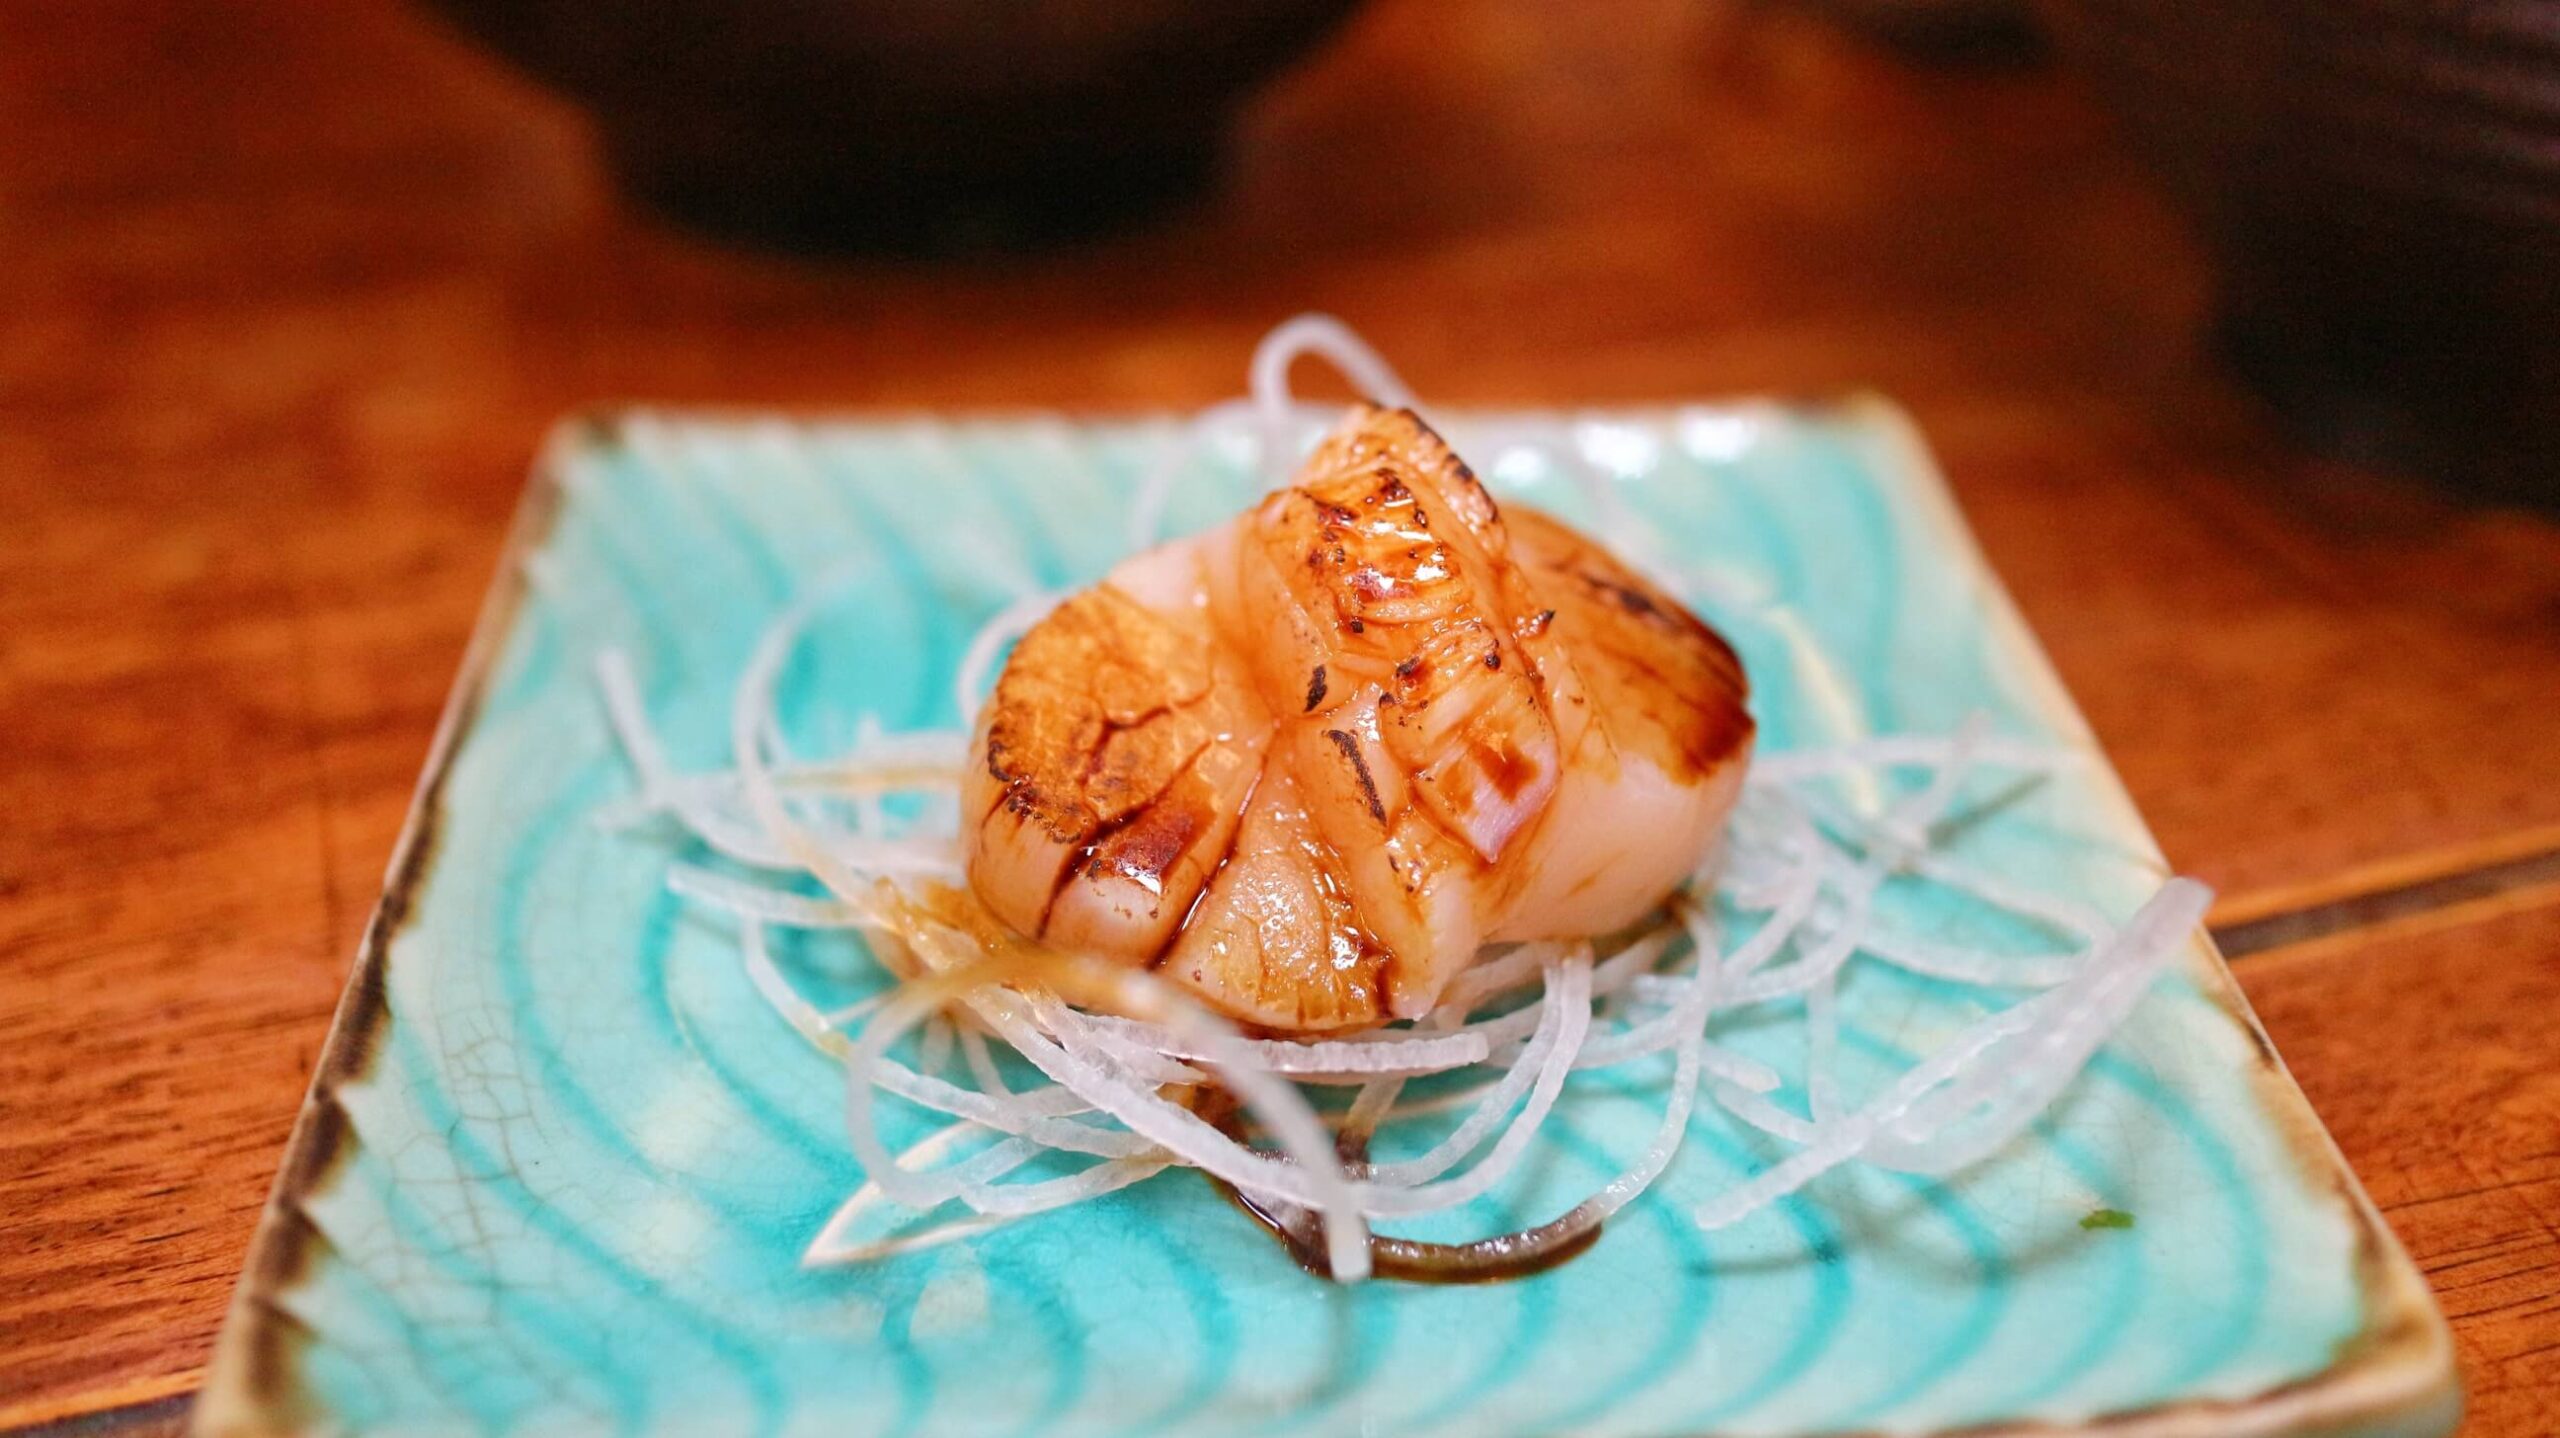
column 291, row 289
column 2434, row 1059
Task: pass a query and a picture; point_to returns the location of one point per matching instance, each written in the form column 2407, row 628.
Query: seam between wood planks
column 2439, row 900
column 2387, row 875
column 111, row 1411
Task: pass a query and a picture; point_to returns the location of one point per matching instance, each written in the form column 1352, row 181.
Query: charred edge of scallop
column 1464, row 472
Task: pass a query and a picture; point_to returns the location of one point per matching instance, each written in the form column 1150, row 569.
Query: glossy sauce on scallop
column 1311, row 761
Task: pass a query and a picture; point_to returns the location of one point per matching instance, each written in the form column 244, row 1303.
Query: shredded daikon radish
column 2058, row 1024
column 1314, row 1180
column 1019, row 1199
column 1041, row 1115
column 933, row 1056
column 1573, row 996
column 835, row 1242
column 802, row 1015
column 1525, row 1072
column 768, row 905
column 975, row 1185
column 2021, row 1075
column 1696, row 1006
column 1131, row 1056
column 1822, row 1044
column 1777, row 921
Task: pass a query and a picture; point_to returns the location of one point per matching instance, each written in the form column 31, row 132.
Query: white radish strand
column 1328, row 339
column 1014, row 1200
column 759, row 845
column 1573, row 995
column 1132, row 1057
column 994, row 1204
column 769, row 905
column 776, row 990
column 1498, row 1102
column 1822, row 1045
column 1041, row 1115
column 919, row 763
column 1691, row 1014
column 835, row 1244
column 933, row 1055
column 748, row 716
column 658, row 791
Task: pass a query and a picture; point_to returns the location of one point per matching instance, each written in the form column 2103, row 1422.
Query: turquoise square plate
column 559, row 1163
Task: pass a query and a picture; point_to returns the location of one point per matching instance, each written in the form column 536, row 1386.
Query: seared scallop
column 1310, row 762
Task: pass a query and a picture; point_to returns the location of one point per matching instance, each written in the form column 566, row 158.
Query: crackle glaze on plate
column 559, row 1162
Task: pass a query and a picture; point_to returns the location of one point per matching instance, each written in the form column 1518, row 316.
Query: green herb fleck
column 2107, row 1218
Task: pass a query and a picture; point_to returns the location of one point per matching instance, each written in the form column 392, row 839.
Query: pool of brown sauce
column 1487, row 1260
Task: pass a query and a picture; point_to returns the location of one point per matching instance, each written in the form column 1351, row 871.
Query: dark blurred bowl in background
column 1944, row 32
column 913, row 126
column 2380, row 181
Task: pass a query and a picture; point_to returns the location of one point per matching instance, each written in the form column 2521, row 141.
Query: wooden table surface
column 290, row 288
